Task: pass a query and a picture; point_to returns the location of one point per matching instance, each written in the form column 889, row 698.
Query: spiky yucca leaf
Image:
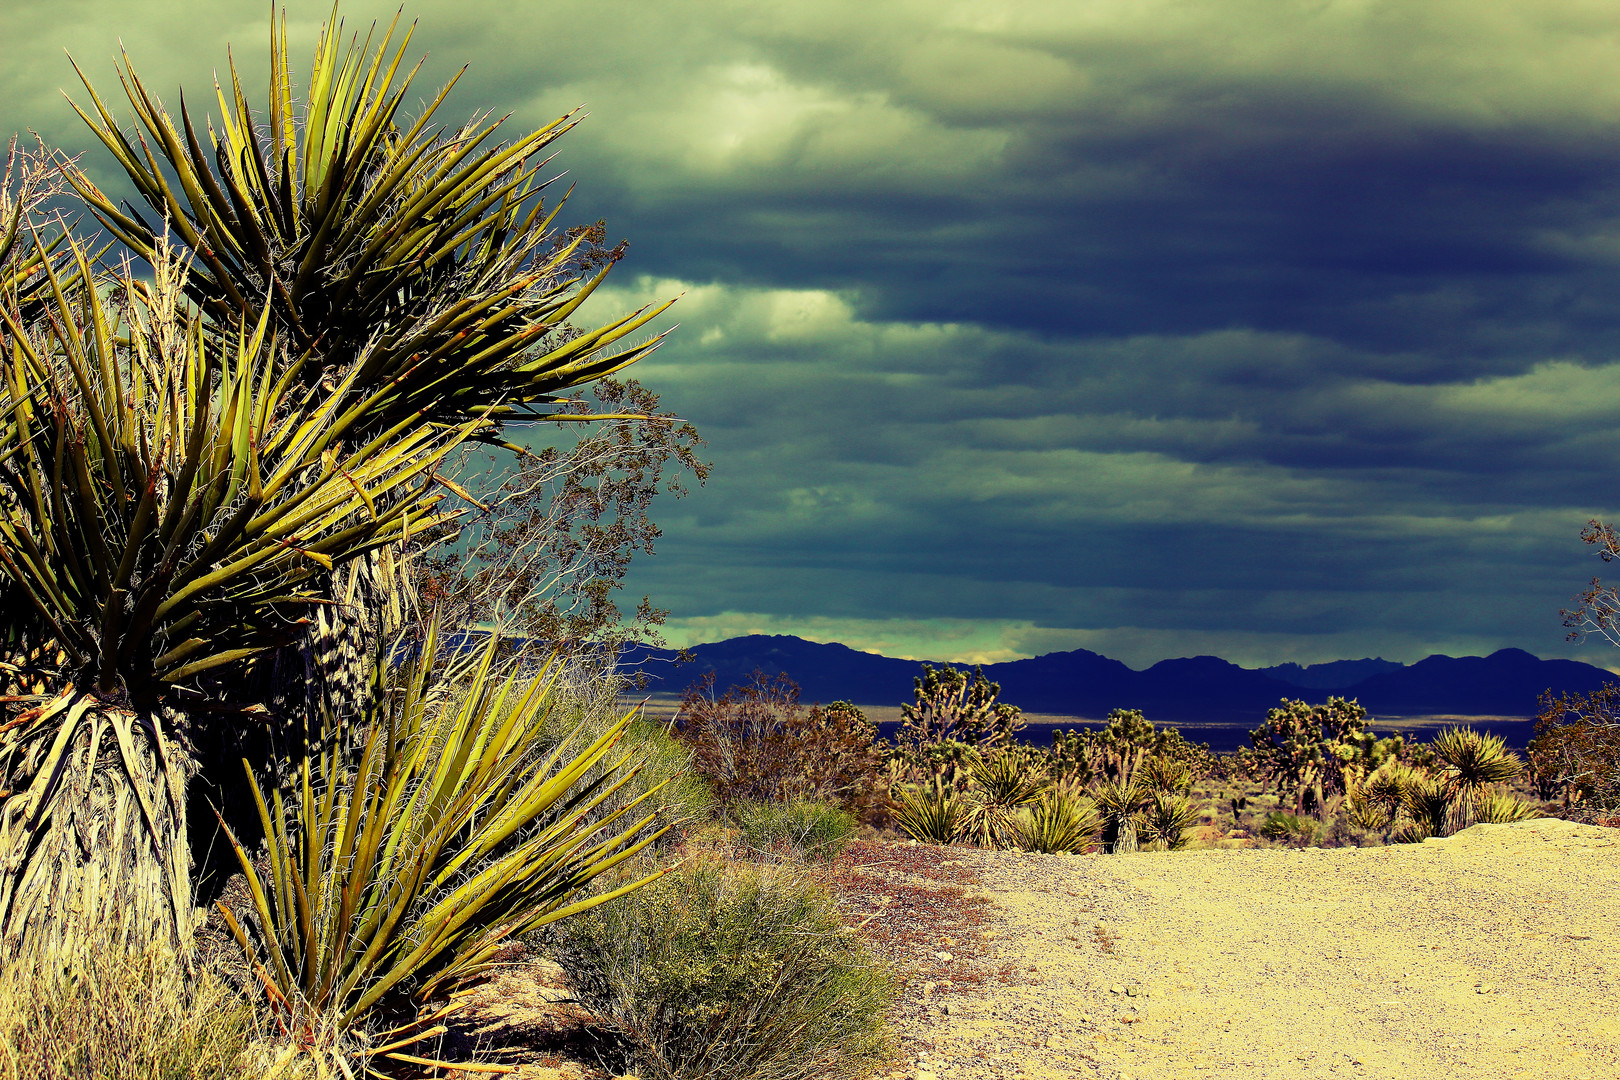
column 1501, row 808
column 934, row 814
column 1002, row 783
column 396, row 877
column 1473, row 759
column 1167, row 821
column 1060, row 822
column 422, row 264
column 173, row 499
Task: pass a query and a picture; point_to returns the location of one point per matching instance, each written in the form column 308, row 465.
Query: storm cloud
column 1277, row 330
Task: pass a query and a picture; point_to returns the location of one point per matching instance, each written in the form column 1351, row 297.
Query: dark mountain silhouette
column 1196, row 690
column 1331, row 676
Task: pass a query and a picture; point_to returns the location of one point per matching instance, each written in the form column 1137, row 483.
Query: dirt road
column 1493, row 954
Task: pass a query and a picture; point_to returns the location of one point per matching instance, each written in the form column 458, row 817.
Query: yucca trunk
column 93, row 844
column 1120, row 835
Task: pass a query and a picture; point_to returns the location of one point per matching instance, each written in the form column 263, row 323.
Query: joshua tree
column 955, row 713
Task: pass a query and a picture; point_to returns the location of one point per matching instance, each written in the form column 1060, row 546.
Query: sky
column 1269, row 329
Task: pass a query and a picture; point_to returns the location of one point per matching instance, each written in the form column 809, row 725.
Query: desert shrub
column 1060, row 821
column 1288, row 828
column 802, row 828
column 757, row 743
column 729, row 971
column 586, row 702
column 131, row 1017
column 1167, row 819
column 932, row 812
column 1575, row 755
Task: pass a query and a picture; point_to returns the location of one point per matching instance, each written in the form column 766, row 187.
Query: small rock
column 1483, row 989
column 928, row 988
column 1116, row 989
column 946, row 1009
column 1133, row 991
column 944, row 957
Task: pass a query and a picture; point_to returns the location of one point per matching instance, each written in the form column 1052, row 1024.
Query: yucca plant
column 172, row 503
column 394, row 878
column 1469, row 762
column 1167, row 820
column 1119, row 804
column 934, row 814
column 1060, row 822
column 1428, row 805
column 1501, row 808
column 419, row 267
column 1002, row 783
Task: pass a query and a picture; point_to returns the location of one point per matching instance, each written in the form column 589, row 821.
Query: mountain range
column 1193, row 690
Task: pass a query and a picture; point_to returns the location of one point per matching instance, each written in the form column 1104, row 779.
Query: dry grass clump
column 124, row 1017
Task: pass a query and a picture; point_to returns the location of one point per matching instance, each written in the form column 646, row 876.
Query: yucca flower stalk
column 394, row 877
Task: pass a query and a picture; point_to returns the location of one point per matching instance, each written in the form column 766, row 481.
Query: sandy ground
column 1492, row 954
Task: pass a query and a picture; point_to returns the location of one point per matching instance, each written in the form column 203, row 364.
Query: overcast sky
column 1272, row 329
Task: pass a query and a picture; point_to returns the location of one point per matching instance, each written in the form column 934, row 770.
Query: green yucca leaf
column 398, row 874
column 174, row 502
column 424, row 263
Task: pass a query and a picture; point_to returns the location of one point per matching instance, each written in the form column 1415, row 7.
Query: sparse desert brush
column 756, row 742
column 728, row 971
column 1575, row 755
column 1289, row 828
column 799, row 829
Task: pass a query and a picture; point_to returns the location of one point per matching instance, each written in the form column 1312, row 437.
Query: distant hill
column 1332, row 676
column 1200, row 689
